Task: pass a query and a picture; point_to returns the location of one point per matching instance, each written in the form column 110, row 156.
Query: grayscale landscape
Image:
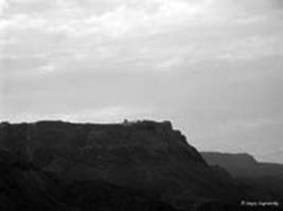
column 141, row 105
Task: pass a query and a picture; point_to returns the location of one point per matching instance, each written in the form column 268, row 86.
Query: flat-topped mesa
column 243, row 165
column 144, row 155
column 242, row 159
column 149, row 135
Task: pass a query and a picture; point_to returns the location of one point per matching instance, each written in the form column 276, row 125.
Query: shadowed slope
column 147, row 156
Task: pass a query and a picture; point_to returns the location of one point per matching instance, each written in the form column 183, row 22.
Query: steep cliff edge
column 147, row 156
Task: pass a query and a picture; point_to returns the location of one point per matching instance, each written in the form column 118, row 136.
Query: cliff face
column 147, row 156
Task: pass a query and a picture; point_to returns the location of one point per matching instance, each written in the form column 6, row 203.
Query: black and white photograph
column 141, row 105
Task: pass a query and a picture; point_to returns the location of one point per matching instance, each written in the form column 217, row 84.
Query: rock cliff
column 147, row 156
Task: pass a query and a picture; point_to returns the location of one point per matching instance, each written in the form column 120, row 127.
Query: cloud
column 134, row 21
column 122, row 19
column 47, row 69
column 99, row 115
column 170, row 64
column 252, row 48
column 68, row 17
column 3, row 6
column 110, row 114
column 235, row 125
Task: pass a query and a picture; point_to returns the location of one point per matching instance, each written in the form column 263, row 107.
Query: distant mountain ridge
column 258, row 181
column 243, row 164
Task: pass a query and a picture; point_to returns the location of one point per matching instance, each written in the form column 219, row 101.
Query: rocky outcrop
column 147, row 156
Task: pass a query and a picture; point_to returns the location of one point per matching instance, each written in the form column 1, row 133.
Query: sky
column 212, row 67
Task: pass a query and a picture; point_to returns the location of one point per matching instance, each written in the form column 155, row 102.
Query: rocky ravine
column 85, row 166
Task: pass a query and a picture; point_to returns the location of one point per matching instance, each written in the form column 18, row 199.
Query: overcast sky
column 212, row 67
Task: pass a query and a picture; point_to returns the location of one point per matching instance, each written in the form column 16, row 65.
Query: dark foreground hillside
column 24, row 187
column 146, row 165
